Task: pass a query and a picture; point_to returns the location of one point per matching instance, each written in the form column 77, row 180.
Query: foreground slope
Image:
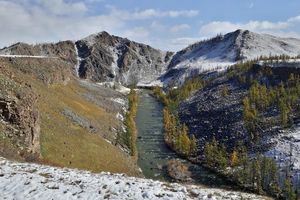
column 32, row 181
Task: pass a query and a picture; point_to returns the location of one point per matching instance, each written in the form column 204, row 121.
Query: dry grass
column 67, row 144
column 64, row 143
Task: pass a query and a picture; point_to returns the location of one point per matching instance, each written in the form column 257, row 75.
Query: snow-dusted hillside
column 285, row 149
column 222, row 51
column 31, row 181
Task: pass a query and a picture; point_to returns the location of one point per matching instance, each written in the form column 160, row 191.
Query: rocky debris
column 25, row 180
column 110, row 58
column 84, row 123
column 20, row 116
column 178, row 171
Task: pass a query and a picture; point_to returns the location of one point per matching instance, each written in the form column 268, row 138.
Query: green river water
column 153, row 153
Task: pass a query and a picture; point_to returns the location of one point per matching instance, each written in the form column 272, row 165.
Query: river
column 153, row 153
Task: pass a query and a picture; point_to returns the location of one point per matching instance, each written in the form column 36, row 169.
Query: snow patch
column 285, row 150
column 33, row 181
column 25, row 56
column 79, row 60
column 119, row 100
column 116, row 86
column 120, row 117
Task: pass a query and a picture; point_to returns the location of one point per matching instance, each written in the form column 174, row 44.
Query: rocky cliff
column 105, row 57
column 19, row 117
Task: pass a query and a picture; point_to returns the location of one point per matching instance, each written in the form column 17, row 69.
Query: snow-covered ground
column 79, row 60
column 116, row 86
column 223, row 51
column 150, row 84
column 286, row 149
column 33, row 181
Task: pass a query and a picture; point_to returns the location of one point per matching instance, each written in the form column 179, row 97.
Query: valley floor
column 33, row 181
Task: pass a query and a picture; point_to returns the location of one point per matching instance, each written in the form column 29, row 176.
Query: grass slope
column 67, row 144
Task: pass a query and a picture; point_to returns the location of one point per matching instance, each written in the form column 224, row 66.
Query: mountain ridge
column 217, row 53
column 102, row 57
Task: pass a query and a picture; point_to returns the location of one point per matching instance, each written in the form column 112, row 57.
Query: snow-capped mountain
column 225, row 50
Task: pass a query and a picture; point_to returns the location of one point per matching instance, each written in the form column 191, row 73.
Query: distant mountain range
column 103, row 57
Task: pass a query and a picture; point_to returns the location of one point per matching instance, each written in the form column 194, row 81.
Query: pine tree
column 274, row 182
column 244, row 160
column 185, row 144
column 250, row 115
column 208, row 154
column 193, row 146
column 222, row 157
column 257, row 175
column 289, row 192
column 234, row 161
column 225, row 91
column 283, row 112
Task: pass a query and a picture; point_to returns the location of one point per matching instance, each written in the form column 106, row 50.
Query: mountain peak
column 225, row 50
column 241, row 31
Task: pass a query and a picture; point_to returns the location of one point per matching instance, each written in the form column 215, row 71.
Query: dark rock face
column 110, row 58
column 102, row 57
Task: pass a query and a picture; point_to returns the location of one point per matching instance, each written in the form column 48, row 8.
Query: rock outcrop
column 20, row 117
column 105, row 57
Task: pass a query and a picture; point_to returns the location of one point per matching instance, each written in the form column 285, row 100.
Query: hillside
column 47, row 113
column 225, row 50
column 252, row 106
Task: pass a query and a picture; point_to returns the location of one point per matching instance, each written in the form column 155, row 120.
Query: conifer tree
column 234, row 160
column 185, row 141
column 289, row 192
column 208, row 154
column 221, row 157
column 193, row 146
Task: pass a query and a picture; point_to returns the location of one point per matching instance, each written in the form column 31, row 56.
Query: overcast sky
column 164, row 24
